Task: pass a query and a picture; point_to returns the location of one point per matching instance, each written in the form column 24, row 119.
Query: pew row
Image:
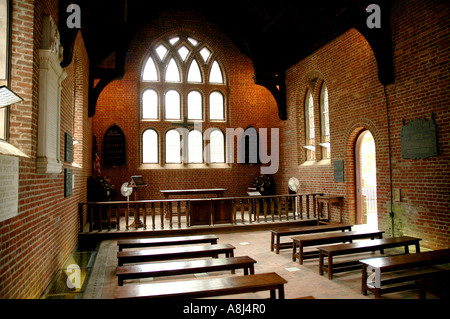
column 360, row 247
column 160, row 254
column 400, row 280
column 275, row 235
column 300, row 242
column 184, row 267
column 166, row 241
column 205, row 288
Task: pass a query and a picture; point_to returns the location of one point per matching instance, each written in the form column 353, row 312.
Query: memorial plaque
column 9, row 187
column 419, row 139
column 114, row 147
column 68, row 155
column 338, row 171
column 67, row 182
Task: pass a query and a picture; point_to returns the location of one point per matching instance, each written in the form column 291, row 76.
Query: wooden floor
column 303, row 280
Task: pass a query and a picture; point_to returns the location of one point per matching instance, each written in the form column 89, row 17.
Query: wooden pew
column 166, row 241
column 391, row 264
column 359, row 247
column 301, row 242
column 205, row 288
column 184, row 267
column 275, row 235
column 439, row 286
column 159, row 254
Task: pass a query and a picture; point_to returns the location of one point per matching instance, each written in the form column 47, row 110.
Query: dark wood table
column 195, row 191
column 329, row 200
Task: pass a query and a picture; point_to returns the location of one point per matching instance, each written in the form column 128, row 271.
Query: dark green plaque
column 338, row 171
column 68, row 176
column 68, row 155
column 419, row 139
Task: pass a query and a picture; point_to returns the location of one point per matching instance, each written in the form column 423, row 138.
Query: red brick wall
column 357, row 102
column 249, row 104
column 35, row 243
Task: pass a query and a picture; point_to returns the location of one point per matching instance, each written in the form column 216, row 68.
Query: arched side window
column 150, row 146
column 182, row 81
column 324, row 122
column 309, row 127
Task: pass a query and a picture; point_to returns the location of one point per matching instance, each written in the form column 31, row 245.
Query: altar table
column 203, row 209
column 218, row 191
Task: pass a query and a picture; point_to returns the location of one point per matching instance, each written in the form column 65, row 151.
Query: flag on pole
column 97, row 172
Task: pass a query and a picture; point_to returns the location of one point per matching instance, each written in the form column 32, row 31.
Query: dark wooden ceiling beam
column 273, row 35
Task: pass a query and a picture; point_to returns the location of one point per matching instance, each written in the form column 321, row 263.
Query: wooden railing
column 181, row 213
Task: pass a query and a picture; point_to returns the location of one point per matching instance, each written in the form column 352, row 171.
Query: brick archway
column 353, row 131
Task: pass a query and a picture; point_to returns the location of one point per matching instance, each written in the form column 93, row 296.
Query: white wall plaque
column 9, row 187
column 51, row 75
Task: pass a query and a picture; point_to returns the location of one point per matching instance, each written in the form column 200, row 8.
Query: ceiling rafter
column 274, row 35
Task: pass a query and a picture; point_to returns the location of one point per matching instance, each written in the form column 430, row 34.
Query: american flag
column 97, row 172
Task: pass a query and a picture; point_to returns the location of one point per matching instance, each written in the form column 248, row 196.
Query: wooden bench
column 205, row 288
column 184, row 267
column 300, row 242
column 166, row 241
column 360, row 247
column 439, row 286
column 381, row 265
column 277, row 234
column 159, row 254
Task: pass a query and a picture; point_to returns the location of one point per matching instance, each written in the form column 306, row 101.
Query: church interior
column 145, row 120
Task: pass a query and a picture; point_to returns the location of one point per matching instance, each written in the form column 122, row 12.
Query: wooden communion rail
column 159, row 214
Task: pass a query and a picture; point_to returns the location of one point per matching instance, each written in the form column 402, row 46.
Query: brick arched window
column 324, row 122
column 310, row 143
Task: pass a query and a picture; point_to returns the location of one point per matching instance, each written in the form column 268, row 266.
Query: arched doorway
column 366, row 180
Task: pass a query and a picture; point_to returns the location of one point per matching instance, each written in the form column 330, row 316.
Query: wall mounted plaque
column 68, row 154
column 67, row 182
column 9, row 187
column 419, row 139
column 114, row 147
column 338, row 171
